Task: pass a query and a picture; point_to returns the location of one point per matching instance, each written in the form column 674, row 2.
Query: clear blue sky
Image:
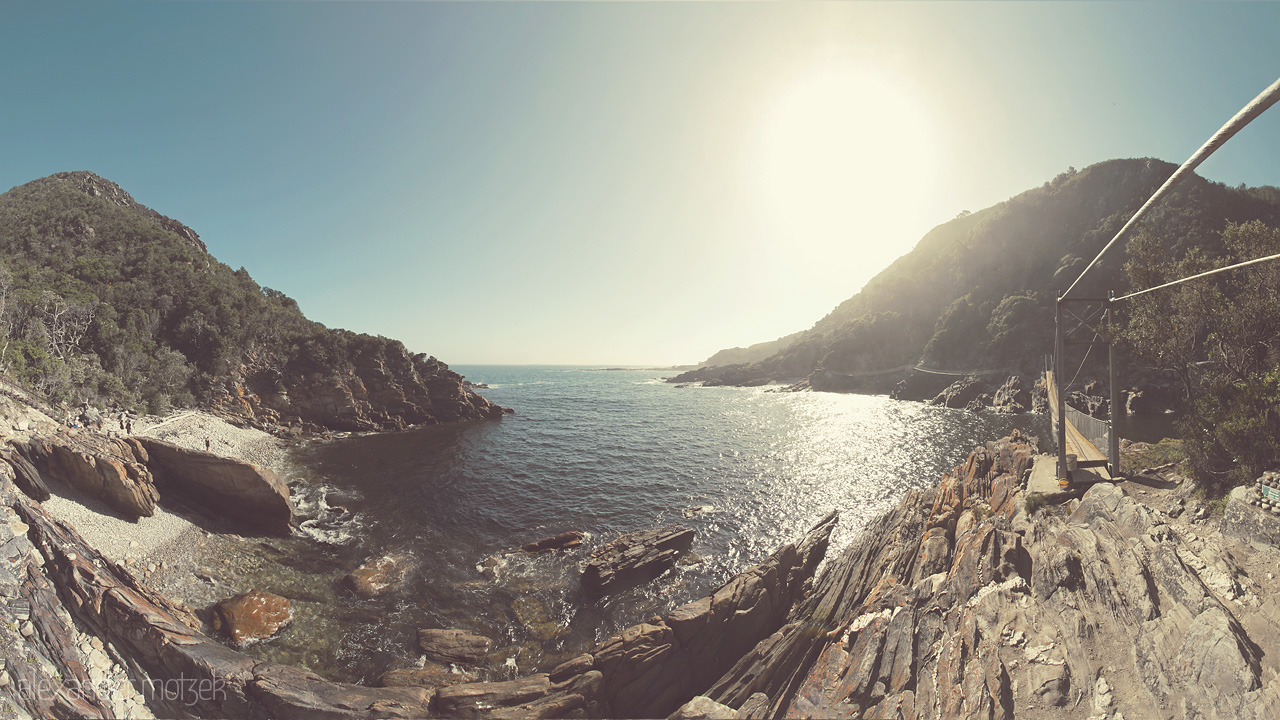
column 629, row 183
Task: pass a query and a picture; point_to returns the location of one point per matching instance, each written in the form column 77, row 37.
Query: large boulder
column 960, row 393
column 26, row 477
column 380, row 576
column 251, row 616
column 634, row 559
column 252, row 495
column 454, row 646
column 110, row 469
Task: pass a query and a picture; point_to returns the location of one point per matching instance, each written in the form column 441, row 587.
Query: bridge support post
column 1113, row 452
column 1059, row 350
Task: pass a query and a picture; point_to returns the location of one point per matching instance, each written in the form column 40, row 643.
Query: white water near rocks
column 606, row 452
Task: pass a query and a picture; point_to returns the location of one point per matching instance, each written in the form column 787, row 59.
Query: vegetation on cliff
column 978, row 292
column 107, row 302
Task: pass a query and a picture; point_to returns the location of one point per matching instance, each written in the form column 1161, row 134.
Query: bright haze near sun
column 606, row 183
column 846, row 164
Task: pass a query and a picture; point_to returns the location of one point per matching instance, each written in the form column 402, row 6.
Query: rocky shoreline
column 969, row 599
column 1150, row 393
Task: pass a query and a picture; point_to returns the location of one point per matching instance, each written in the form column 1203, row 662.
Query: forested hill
column 107, row 302
column 978, row 292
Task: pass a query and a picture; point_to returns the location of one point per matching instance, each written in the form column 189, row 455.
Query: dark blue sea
column 602, row 451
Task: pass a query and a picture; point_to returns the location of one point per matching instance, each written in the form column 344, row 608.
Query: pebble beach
column 155, row 540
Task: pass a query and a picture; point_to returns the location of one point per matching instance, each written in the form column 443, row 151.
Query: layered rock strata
column 110, row 468
column 651, row 669
column 635, row 558
column 385, row 387
column 958, row 604
column 252, row 495
column 181, row 671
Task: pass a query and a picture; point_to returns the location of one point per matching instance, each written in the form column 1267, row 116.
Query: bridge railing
column 1094, row 430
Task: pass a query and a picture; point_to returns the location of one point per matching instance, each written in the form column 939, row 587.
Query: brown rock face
column 111, row 469
column 454, row 646
column 380, row 576
column 473, row 699
column 236, row 490
column 431, row 676
column 649, row 670
column 368, row 384
column 26, row 477
column 250, row 616
column 635, row 558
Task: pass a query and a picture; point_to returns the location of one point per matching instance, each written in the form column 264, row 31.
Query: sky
column 625, row 183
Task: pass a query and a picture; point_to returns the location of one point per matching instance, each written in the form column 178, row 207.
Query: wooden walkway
column 1077, row 444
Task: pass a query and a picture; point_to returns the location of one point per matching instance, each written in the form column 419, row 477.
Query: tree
column 1221, row 335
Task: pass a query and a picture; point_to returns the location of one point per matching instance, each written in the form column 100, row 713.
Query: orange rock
column 251, row 616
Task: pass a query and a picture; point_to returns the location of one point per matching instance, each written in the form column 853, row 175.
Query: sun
column 846, row 161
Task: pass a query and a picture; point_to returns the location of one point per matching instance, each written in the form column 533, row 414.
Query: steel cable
column 1247, row 114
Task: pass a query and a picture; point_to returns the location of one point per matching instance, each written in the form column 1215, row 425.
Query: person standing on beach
column 206, row 443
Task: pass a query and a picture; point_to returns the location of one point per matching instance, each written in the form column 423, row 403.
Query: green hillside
column 978, row 292
column 105, row 301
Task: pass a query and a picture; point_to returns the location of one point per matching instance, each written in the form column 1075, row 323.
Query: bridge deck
column 1077, row 444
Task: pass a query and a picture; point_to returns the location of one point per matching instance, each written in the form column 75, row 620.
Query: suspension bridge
column 1084, row 442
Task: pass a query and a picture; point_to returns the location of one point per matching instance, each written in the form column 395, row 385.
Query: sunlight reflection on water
column 606, row 452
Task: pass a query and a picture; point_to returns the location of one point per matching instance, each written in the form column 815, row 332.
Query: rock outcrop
column 958, row 604
column 380, row 386
column 109, row 468
column 562, row 541
column 239, row 491
column 635, row 558
column 181, row 672
column 26, row 476
column 381, row 575
column 454, row 646
column 961, row 392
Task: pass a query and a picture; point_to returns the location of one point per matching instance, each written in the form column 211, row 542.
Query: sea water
column 601, row 451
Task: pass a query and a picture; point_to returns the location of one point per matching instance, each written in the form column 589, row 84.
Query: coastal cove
column 605, row 452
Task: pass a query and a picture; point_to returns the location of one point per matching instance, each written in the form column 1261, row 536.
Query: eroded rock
column 634, row 559
column 382, row 575
column 239, row 491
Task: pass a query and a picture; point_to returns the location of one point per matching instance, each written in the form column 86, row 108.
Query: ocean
column 601, row 451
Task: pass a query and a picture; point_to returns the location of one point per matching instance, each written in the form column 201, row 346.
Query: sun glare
column 846, row 157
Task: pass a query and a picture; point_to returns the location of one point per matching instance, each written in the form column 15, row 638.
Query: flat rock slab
column 454, row 646
column 429, row 676
column 634, row 559
column 473, row 699
column 228, row 488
